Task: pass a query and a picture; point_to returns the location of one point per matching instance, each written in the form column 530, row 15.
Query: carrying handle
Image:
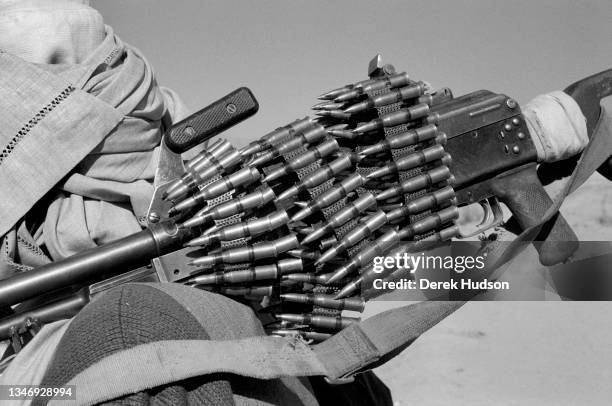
column 201, row 126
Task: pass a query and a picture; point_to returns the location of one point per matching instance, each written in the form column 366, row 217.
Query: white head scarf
column 50, row 31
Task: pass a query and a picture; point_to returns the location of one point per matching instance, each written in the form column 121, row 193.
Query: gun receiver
column 494, row 157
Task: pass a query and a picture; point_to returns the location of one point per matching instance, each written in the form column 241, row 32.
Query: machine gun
column 295, row 216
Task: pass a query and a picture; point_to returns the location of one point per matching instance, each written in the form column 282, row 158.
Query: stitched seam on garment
column 19, row 267
column 25, row 130
column 111, row 56
column 5, row 246
column 30, row 246
column 9, row 260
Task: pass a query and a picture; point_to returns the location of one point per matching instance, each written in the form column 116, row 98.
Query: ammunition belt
column 319, row 315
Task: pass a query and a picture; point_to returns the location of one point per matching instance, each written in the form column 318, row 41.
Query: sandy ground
column 516, row 353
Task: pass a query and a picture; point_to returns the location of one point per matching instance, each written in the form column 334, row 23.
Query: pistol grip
column 526, row 198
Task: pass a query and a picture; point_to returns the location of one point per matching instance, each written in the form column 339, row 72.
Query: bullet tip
column 355, row 108
column 332, row 279
column 332, row 94
column 295, row 253
column 326, row 96
column 321, row 260
column 360, row 129
column 347, row 290
column 313, row 236
column 347, row 96
column 259, row 160
column 307, row 240
column 303, row 230
column 343, row 126
column 272, row 176
column 385, row 194
column 346, row 134
column 336, row 276
column 327, row 256
column 339, row 114
column 288, row 193
column 342, row 294
column 302, row 214
column 250, row 149
column 373, row 175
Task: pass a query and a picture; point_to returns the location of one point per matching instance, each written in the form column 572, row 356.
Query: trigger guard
column 486, row 206
column 491, row 210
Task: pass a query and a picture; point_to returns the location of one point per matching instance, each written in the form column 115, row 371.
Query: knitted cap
column 124, row 317
column 135, row 314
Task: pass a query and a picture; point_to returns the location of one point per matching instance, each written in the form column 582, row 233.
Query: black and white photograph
column 305, row 202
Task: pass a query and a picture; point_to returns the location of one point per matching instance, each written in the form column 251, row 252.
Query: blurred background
column 288, row 52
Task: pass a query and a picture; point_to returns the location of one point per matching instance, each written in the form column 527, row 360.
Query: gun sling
column 162, row 362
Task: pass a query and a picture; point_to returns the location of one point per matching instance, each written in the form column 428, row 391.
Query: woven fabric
column 353, row 349
column 225, row 319
column 82, row 118
column 126, row 317
column 124, row 323
column 39, row 31
column 557, row 126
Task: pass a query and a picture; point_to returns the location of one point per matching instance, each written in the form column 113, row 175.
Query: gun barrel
column 61, row 309
column 117, row 257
